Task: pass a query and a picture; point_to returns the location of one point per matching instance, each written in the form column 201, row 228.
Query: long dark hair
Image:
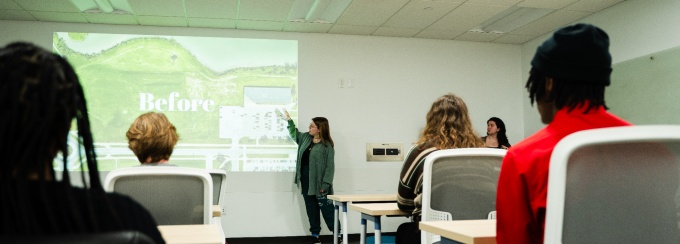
column 502, row 137
column 40, row 96
column 324, row 130
column 565, row 93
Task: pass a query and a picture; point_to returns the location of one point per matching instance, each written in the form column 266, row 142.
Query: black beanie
column 577, row 53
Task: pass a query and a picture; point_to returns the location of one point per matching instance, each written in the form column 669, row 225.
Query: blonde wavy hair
column 448, row 125
column 152, row 136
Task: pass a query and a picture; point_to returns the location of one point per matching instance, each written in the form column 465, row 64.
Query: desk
column 191, row 234
column 373, row 212
column 340, row 201
column 462, row 231
column 216, row 211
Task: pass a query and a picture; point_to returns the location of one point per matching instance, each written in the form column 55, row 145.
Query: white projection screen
column 222, row 94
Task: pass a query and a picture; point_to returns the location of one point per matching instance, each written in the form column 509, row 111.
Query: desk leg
column 449, row 241
column 376, row 225
column 335, row 222
column 344, row 223
column 363, row 232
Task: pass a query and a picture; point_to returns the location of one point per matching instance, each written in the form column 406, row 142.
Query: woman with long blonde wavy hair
column 447, row 126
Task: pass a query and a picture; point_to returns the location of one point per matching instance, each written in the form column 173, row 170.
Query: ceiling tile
column 592, row 5
column 307, row 27
column 114, row 19
column 352, row 29
column 439, row 34
column 157, row 8
column 467, row 16
column 162, row 21
column 9, row 5
column 513, row 39
column 260, row 25
column 274, row 10
column 48, row 6
column 550, row 22
column 494, row 2
column 370, row 12
column 549, row 4
column 212, row 23
column 420, row 14
column 15, row 15
column 400, row 32
column 478, row 37
column 213, row 9
column 59, row 17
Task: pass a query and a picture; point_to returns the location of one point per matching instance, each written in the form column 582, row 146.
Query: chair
column 173, row 195
column 460, row 184
column 615, row 185
column 219, row 179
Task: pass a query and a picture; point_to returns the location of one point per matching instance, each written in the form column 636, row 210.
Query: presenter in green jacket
column 314, row 172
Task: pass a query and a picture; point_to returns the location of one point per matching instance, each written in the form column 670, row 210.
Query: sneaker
column 313, row 240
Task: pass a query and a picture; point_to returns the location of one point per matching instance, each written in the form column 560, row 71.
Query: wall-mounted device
column 385, row 152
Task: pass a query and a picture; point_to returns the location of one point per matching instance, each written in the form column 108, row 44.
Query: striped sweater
column 411, row 180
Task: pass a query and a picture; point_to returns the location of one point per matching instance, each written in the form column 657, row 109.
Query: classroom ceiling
column 464, row 20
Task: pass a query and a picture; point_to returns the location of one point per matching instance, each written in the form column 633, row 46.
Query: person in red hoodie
column 567, row 81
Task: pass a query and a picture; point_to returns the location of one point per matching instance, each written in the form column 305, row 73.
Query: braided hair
column 565, row 93
column 41, row 96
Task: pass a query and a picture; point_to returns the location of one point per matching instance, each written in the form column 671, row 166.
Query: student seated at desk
column 568, row 77
column 152, row 138
column 40, row 97
column 447, row 126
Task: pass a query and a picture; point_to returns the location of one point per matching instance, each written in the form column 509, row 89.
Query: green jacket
column 321, row 162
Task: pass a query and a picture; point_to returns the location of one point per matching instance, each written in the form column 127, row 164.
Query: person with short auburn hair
column 152, row 138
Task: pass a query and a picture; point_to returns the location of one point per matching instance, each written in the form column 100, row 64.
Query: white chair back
column 173, row 195
column 460, row 184
column 615, row 185
column 219, row 179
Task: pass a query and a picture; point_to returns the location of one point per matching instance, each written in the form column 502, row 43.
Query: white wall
column 635, row 27
column 396, row 80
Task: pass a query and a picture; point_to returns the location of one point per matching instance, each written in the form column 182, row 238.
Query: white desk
column 340, row 201
column 191, row 234
column 462, row 231
column 373, row 212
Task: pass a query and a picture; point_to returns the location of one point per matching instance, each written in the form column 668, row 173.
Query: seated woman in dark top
column 447, row 126
column 495, row 134
column 40, row 97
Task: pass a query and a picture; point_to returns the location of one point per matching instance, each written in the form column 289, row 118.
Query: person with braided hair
column 40, row 99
